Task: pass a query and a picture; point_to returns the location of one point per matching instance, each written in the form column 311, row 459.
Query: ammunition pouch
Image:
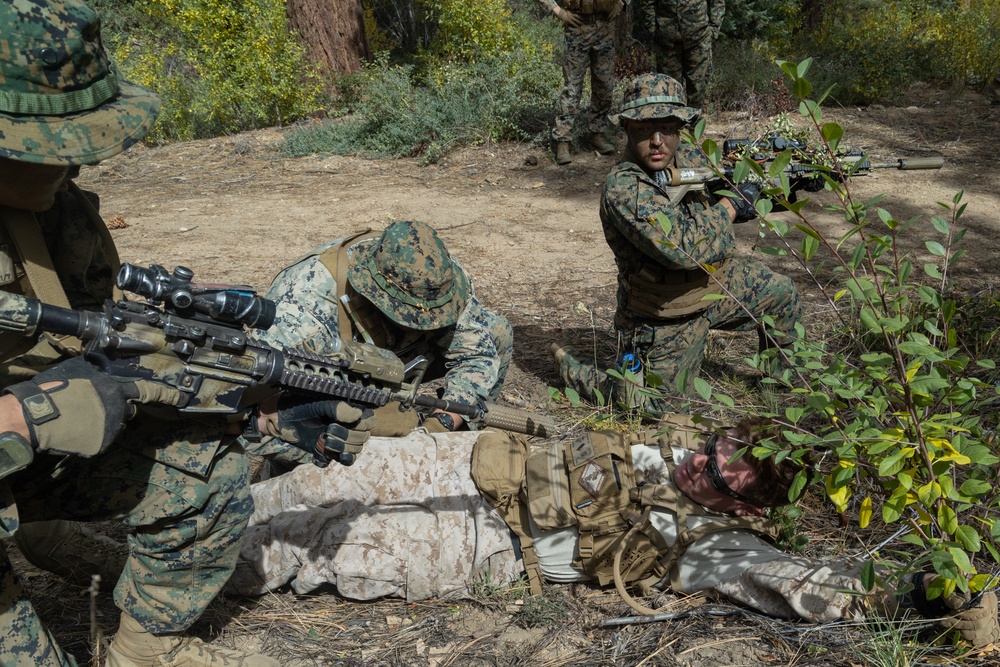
column 666, row 294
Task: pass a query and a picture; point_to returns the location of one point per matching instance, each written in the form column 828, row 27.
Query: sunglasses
column 715, row 474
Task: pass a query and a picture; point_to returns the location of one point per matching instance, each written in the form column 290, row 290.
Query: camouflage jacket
column 701, row 231
column 83, row 264
column 306, row 295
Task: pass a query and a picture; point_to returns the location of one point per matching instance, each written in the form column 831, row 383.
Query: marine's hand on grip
column 330, row 430
column 74, row 408
column 743, row 203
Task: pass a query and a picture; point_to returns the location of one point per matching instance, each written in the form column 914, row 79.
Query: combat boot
column 603, row 146
column 134, row 647
column 72, row 551
column 560, row 350
column 562, row 153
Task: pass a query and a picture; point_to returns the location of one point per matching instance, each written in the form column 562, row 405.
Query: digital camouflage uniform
column 701, row 233
column 685, row 31
column 179, row 485
column 590, row 46
column 468, row 345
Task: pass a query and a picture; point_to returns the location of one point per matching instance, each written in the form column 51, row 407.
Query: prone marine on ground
column 663, row 316
column 429, row 514
column 75, row 443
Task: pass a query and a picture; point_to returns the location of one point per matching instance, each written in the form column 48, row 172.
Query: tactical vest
column 587, row 7
column 589, row 483
column 26, row 269
column 662, row 293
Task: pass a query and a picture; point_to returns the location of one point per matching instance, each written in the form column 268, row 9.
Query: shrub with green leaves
column 392, row 111
column 220, row 66
column 875, row 50
column 898, row 401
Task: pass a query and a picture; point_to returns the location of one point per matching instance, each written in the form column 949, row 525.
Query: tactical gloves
column 975, row 619
column 976, row 622
column 568, row 17
column 747, row 196
column 330, row 430
column 616, row 10
column 87, row 409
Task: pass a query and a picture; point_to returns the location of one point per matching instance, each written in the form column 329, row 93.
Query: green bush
column 873, row 51
column 404, row 110
column 897, row 395
column 220, row 66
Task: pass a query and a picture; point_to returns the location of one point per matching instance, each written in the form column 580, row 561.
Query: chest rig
column 590, row 483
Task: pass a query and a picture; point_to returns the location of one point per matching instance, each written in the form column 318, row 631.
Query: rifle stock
column 192, row 337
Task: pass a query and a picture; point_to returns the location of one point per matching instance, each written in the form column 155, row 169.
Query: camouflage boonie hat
column 409, row 276
column 652, row 96
column 62, row 100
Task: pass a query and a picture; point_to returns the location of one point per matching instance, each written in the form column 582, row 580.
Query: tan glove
column 434, row 425
column 391, row 422
column 616, row 10
column 86, row 409
column 568, row 17
column 976, row 623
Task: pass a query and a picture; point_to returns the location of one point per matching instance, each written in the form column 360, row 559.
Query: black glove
column 330, row 430
column 87, row 410
column 748, row 193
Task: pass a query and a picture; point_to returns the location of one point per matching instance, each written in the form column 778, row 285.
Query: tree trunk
column 333, row 32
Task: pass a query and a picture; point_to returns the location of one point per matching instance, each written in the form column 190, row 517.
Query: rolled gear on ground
column 64, row 101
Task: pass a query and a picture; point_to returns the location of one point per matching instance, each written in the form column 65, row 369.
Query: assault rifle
column 192, row 337
column 804, row 170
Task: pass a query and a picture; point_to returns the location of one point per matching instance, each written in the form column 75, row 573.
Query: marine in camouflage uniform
column 662, row 313
column 414, row 520
column 404, row 293
column 590, row 27
column 181, row 486
column 685, row 31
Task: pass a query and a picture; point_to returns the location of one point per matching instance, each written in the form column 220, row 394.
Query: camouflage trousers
column 671, row 347
column 404, row 521
column 186, row 497
column 683, row 44
column 591, row 45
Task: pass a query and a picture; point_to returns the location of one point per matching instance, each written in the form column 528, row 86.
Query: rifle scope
column 234, row 304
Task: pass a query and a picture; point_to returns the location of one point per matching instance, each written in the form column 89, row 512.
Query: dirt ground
column 236, row 210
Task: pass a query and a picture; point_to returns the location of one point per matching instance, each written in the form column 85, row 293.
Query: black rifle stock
column 192, row 337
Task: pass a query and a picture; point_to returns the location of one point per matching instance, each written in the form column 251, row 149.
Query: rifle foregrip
column 519, row 421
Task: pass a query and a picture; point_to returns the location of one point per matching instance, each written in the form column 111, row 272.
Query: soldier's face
column 654, row 142
column 708, row 478
column 32, row 187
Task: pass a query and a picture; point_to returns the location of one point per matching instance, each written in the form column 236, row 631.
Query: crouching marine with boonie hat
column 403, row 291
column 663, row 316
column 75, row 443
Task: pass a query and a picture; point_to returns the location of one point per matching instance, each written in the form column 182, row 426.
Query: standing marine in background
column 684, row 33
column 663, row 316
column 590, row 42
